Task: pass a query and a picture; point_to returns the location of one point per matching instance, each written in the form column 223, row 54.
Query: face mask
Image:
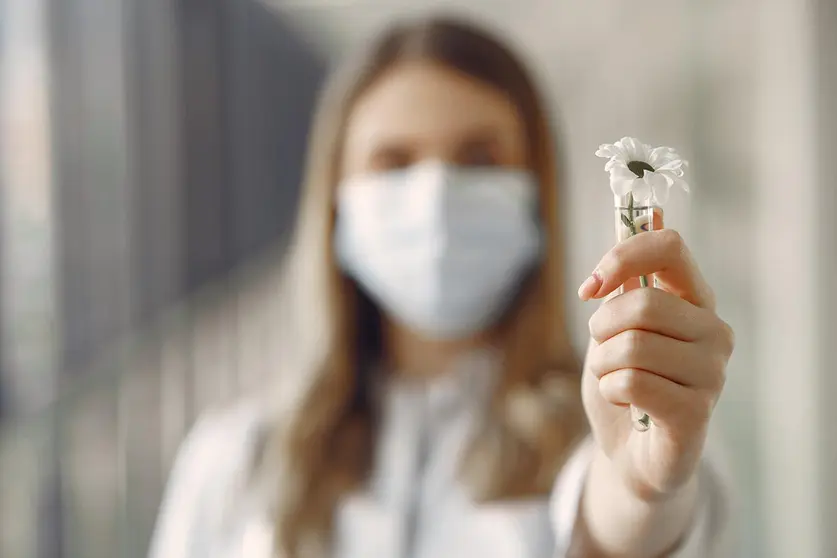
column 440, row 249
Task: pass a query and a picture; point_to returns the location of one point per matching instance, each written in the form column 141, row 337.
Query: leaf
column 627, row 222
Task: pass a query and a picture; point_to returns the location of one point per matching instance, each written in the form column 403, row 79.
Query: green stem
column 644, row 421
column 631, row 224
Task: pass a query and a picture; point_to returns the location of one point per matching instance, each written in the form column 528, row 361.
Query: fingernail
column 590, row 286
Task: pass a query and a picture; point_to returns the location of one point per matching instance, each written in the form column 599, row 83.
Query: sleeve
column 711, row 534
column 205, row 471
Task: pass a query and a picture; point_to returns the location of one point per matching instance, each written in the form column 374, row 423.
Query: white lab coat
column 413, row 506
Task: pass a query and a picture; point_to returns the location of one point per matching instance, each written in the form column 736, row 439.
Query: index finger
column 662, row 253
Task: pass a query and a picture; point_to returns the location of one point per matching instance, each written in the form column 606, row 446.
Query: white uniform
column 413, row 506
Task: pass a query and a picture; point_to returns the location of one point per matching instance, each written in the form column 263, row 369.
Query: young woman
column 443, row 413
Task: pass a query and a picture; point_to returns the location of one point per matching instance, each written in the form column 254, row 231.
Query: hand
column 664, row 351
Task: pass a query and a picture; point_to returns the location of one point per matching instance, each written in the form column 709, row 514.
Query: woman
column 442, row 404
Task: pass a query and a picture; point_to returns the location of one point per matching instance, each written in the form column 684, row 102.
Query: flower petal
column 641, row 189
column 669, row 177
column 607, row 150
column 620, row 186
column 633, row 147
column 622, row 172
column 671, row 164
column 675, row 167
column 616, row 163
column 658, row 156
column 658, row 185
column 655, row 185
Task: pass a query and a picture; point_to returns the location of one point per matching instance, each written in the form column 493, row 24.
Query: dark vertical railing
column 178, row 141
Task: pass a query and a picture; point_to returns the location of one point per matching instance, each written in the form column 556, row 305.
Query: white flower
column 644, row 171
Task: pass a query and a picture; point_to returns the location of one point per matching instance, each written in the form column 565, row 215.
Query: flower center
column 639, row 168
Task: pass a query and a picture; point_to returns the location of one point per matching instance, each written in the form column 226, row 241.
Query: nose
column 431, row 191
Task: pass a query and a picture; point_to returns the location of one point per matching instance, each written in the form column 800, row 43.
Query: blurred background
column 150, row 157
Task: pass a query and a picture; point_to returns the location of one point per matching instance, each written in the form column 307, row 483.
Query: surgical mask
column 441, row 249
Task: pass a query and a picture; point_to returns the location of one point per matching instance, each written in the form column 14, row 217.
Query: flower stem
column 630, row 222
column 642, row 421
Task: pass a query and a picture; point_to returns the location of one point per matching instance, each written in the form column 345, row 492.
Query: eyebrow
column 481, row 131
column 484, row 133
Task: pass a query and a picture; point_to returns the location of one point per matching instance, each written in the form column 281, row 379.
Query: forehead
column 424, row 101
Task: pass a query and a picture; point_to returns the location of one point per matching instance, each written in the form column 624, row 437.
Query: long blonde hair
column 325, row 446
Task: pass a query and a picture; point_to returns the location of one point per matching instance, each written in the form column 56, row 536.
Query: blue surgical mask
column 441, row 249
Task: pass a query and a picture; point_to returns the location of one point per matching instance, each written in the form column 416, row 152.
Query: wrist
column 630, row 485
column 623, row 519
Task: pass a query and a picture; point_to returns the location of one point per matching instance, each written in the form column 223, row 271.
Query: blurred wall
column 826, row 70
column 788, row 283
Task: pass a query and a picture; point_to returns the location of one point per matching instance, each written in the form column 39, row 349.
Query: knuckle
column 632, row 341
column 719, row 374
column 592, row 362
column 711, row 301
column 672, row 241
column 704, row 405
column 605, row 319
column 594, row 325
column 632, row 382
column 714, row 382
column 644, row 303
column 712, row 374
column 726, row 337
column 615, row 258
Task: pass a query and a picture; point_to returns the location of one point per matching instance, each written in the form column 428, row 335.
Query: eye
column 479, row 153
column 392, row 158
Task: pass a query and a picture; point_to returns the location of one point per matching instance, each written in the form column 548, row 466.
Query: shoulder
column 209, row 473
column 238, row 420
column 222, row 439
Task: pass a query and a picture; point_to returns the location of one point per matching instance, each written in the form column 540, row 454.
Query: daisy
column 642, row 174
column 646, row 172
